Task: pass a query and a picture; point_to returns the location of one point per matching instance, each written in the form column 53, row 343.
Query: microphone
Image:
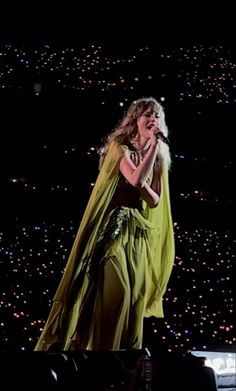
column 160, row 136
column 163, row 138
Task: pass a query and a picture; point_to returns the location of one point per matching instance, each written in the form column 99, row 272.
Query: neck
column 141, row 145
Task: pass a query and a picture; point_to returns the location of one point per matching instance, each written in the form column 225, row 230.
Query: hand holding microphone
column 159, row 135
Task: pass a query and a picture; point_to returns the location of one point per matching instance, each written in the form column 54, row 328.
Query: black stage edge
column 118, row 370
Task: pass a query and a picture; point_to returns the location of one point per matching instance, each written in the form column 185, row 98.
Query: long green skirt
column 109, row 310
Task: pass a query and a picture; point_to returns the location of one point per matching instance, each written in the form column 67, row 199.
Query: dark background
column 38, row 224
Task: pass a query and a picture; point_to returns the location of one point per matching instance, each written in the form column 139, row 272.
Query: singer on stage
column 123, row 253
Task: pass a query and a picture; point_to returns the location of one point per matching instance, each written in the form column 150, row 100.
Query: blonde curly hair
column 127, row 129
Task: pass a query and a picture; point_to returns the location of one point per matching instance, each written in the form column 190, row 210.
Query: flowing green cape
column 159, row 235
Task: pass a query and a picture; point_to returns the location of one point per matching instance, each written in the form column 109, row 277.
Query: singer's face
column 147, row 122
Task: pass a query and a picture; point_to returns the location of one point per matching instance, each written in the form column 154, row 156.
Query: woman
column 123, row 254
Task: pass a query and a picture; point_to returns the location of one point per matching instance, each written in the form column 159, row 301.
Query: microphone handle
column 163, row 138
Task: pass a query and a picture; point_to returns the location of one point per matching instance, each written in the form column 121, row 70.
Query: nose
column 153, row 120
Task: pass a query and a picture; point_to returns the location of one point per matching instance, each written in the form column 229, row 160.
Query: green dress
column 118, row 267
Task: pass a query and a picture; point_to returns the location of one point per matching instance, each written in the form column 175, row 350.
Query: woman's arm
column 137, row 175
column 150, row 193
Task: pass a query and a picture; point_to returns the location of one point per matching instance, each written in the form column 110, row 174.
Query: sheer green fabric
column 117, row 271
